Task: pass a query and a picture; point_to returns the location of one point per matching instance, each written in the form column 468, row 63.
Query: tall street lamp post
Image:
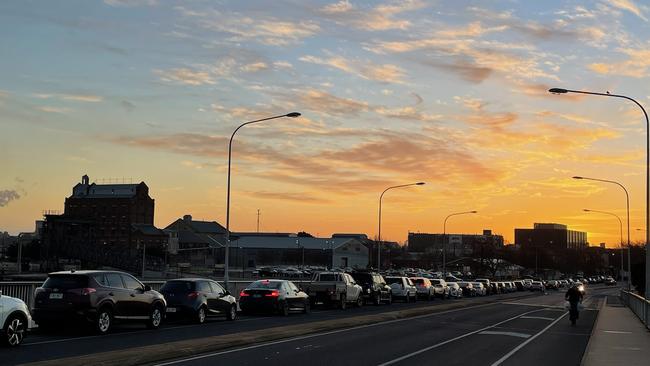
column 647, row 174
column 379, row 228
column 444, row 240
column 621, row 242
column 227, row 249
column 627, row 206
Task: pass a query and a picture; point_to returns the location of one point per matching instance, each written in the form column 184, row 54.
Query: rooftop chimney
column 187, row 218
column 85, row 180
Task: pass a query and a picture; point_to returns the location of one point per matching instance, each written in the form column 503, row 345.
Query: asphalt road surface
column 534, row 331
column 455, row 337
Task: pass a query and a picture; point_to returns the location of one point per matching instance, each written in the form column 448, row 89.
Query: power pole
column 258, row 220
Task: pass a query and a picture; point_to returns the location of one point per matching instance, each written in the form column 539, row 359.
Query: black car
column 277, row 296
column 198, row 298
column 98, row 298
column 374, row 287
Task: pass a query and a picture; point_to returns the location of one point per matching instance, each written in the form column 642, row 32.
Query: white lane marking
column 511, row 334
column 323, row 334
column 549, row 307
column 537, row 317
column 523, row 344
column 616, row 332
column 402, row 358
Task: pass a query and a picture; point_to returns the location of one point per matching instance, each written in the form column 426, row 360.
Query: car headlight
column 367, row 290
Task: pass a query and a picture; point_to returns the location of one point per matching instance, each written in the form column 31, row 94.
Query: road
column 533, row 331
column 367, row 345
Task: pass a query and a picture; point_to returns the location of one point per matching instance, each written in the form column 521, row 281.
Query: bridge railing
column 24, row 290
column 638, row 305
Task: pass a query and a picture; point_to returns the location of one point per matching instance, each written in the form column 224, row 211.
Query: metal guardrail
column 639, row 306
column 24, row 290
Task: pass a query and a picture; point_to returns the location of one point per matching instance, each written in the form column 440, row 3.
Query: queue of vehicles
column 100, row 299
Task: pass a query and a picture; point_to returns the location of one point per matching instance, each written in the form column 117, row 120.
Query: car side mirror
column 147, row 288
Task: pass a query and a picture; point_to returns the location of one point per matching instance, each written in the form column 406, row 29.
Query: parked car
column 487, row 283
column 468, row 289
column 14, row 319
column 424, row 287
column 537, row 286
column 274, row 296
column 527, row 283
column 552, row 285
column 454, row 290
column 98, row 298
column 610, row 281
column 373, row 287
column 402, row 288
column 198, row 298
column 479, row 289
column 441, row 288
column 519, row 285
column 334, row 288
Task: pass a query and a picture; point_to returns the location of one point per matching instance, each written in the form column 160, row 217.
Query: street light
column 227, row 251
column 647, row 174
column 379, row 229
column 627, row 205
column 444, row 241
column 621, row 227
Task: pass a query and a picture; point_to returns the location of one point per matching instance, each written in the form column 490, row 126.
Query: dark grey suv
column 198, row 298
column 96, row 297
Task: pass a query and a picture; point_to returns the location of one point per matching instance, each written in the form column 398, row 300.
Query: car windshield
column 66, row 281
column 178, row 286
column 394, row 280
column 363, row 278
column 328, row 277
column 265, row 285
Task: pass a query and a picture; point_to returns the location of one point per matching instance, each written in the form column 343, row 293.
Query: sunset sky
column 453, row 93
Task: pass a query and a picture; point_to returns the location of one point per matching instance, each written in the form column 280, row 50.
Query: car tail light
column 243, row 293
column 193, row 295
column 273, row 293
column 87, row 291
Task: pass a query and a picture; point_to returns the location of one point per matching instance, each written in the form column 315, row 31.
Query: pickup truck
column 334, row 288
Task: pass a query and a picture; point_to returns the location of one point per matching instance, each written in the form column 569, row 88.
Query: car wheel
column 155, row 318
column 415, row 298
column 360, row 301
column 14, row 331
column 306, row 309
column 407, row 299
column 104, row 321
column 342, row 302
column 390, row 299
column 284, row 309
column 200, row 315
column 232, row 312
column 377, row 299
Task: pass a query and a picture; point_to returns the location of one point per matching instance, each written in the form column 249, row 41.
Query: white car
column 441, row 288
column 454, row 290
column 479, row 289
column 402, row 288
column 15, row 319
column 537, row 286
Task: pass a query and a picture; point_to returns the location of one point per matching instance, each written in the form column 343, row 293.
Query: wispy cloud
column 51, row 109
column 363, row 68
column 185, row 76
column 630, row 6
column 378, row 18
column 7, row 196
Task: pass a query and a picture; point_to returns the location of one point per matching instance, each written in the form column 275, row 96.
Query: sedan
column 402, row 288
column 455, row 290
column 424, row 287
column 468, row 289
column 14, row 319
column 441, row 288
column 479, row 289
column 276, row 296
column 198, row 298
column 537, row 286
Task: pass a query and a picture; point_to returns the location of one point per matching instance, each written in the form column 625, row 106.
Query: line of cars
column 102, row 298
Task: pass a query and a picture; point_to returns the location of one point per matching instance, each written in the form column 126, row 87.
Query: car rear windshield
column 419, row 281
column 328, row 277
column 436, row 282
column 391, row 280
column 178, row 286
column 363, row 278
column 66, row 281
column 265, row 284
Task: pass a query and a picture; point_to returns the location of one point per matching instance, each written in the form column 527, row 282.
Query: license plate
column 257, row 295
column 171, row 310
column 56, row 296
